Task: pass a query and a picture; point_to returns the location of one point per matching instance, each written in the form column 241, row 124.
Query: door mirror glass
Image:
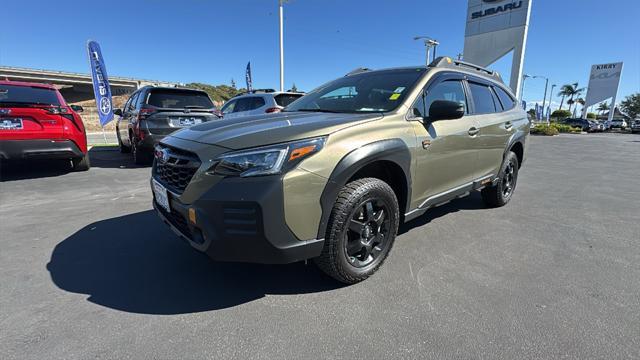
column 445, row 110
column 117, row 112
column 77, row 108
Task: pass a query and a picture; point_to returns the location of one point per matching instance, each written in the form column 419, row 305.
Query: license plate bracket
column 161, row 195
column 11, row 124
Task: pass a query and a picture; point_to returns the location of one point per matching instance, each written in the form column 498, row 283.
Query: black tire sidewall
column 374, row 191
column 511, row 157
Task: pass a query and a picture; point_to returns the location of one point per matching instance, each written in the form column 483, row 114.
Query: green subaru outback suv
column 332, row 176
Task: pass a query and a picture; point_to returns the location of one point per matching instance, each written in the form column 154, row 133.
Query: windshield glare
column 376, row 91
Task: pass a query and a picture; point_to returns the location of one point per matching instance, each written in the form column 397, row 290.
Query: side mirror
column 445, row 110
column 117, row 112
column 77, row 108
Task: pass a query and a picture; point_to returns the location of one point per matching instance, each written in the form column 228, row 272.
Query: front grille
column 174, row 167
column 241, row 219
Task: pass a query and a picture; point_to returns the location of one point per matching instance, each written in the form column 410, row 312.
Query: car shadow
column 112, row 158
column 12, row 170
column 134, row 263
column 101, row 157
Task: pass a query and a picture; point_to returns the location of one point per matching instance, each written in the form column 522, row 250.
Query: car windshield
column 376, row 91
column 27, row 95
column 178, row 99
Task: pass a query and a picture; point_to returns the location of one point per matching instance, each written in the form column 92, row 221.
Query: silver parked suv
column 258, row 102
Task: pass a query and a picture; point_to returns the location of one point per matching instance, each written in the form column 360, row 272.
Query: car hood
column 251, row 131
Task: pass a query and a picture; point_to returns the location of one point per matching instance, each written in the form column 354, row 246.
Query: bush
column 561, row 114
column 564, row 128
column 591, row 115
column 544, row 129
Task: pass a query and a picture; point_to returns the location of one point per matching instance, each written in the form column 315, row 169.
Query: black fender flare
column 518, row 137
column 392, row 150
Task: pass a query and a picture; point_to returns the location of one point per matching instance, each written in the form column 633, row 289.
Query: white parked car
column 258, row 102
column 619, row 124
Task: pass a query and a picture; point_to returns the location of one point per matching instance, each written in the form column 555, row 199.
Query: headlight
column 267, row 160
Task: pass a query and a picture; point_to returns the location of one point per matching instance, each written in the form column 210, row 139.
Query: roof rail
column 357, row 71
column 447, row 62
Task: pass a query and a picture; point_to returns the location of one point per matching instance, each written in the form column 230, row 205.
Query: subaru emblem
column 165, row 155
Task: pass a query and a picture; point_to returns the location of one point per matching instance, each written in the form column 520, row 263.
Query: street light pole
column 524, row 78
column 281, row 44
column 546, row 84
column 428, row 44
column 550, row 97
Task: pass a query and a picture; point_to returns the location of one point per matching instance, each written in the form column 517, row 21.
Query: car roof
column 274, row 93
column 27, row 84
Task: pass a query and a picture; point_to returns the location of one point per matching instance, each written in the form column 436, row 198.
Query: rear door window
column 179, row 99
column 482, row 98
column 286, row 99
column 249, row 103
column 28, row 95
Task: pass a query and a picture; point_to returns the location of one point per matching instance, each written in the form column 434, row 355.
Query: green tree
column 591, row 115
column 294, row 88
column 560, row 114
column 218, row 93
column 571, row 91
column 602, row 107
column 631, row 105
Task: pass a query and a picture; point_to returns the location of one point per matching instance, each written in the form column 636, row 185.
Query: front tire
column 499, row 195
column 361, row 230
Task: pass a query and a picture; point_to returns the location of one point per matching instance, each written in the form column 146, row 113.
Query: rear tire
column 362, row 227
column 139, row 157
column 81, row 164
column 499, row 195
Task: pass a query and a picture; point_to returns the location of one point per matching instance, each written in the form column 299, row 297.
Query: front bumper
column 240, row 219
column 40, row 148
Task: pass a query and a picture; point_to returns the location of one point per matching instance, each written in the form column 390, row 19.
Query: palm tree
column 570, row 90
column 602, row 107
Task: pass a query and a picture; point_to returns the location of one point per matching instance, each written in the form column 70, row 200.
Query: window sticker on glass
column 394, row 96
column 399, row 90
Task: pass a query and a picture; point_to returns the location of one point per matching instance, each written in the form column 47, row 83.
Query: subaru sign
column 101, row 88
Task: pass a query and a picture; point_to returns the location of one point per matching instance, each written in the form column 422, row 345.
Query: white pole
column 281, row 47
column 612, row 109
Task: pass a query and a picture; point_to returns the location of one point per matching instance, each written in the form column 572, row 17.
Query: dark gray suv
column 151, row 113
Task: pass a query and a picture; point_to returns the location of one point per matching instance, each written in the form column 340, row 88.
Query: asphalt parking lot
column 88, row 271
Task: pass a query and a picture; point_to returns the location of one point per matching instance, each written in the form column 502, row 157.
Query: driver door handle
column 508, row 125
column 473, row 131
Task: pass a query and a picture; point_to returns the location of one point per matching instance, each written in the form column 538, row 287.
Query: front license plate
column 162, row 198
column 11, row 124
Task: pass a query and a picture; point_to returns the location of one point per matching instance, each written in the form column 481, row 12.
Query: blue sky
column 211, row 40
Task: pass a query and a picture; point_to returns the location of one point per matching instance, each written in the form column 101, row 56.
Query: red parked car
column 36, row 122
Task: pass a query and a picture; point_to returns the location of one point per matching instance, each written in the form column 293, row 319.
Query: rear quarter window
column 507, row 101
column 286, row 99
